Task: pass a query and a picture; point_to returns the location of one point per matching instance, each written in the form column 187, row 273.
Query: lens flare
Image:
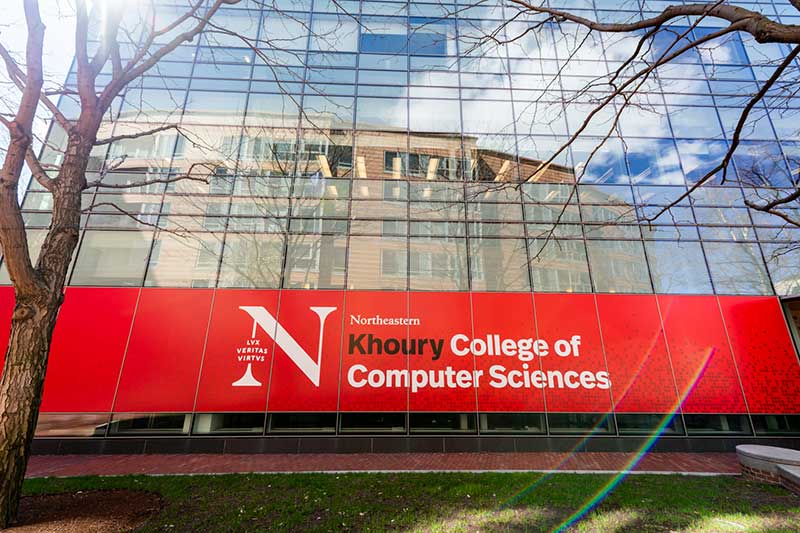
column 636, row 456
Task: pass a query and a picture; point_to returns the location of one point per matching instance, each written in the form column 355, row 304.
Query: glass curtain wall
column 391, row 145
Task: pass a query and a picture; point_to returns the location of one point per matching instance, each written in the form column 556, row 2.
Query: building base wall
column 428, row 444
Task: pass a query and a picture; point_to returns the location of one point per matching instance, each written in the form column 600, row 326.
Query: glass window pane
column 436, row 116
column 286, row 30
column 724, row 216
column 438, row 264
column 377, row 263
column 783, row 262
column 499, row 264
column 494, row 211
column 438, row 229
column 605, row 164
column 699, row 157
column 315, row 261
column 640, row 121
column 512, row 423
column 184, row 260
column 601, row 123
column 678, row 267
column 432, row 36
column 609, row 214
column 206, row 107
column 552, row 213
column 490, row 157
column 324, row 113
column 716, row 424
column 737, row 268
column 539, row 118
column 273, row 111
column 436, row 156
column 756, row 126
column 152, row 105
column 442, row 422
column 112, row 258
column 618, row 266
column 648, row 424
column 35, row 240
column 487, row 117
column 372, row 423
column 762, row 165
column 580, row 423
column 382, row 113
column 71, row 425
column 776, row 424
column 653, row 161
column 695, row 122
column 606, row 194
column 384, row 35
column 377, row 209
column 382, row 77
column 302, row 423
column 150, row 424
column 242, row 23
column 252, row 261
column 337, row 33
column 722, row 50
column 228, row 423
column 559, row 265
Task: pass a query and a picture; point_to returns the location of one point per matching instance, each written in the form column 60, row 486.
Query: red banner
column 370, row 316
column 572, row 356
column 88, row 346
column 636, row 353
column 206, row 350
column 765, row 356
column 6, row 310
column 238, row 355
column 162, row 363
column 308, row 342
column 705, row 373
column 504, row 389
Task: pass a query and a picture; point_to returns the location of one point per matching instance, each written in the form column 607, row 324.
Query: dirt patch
column 86, row 511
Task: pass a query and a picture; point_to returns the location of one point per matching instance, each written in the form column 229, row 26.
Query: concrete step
column 761, row 463
column 790, row 477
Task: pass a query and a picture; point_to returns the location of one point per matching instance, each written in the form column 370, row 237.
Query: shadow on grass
column 452, row 502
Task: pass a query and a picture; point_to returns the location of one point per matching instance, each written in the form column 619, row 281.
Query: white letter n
column 296, row 353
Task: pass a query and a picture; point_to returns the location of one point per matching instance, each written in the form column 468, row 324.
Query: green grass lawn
column 447, row 502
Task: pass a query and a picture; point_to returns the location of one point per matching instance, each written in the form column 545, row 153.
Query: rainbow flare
column 637, row 456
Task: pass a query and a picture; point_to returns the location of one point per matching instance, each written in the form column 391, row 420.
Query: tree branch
column 13, row 239
column 723, row 165
column 187, row 176
column 120, row 210
column 85, row 73
column 37, row 171
column 775, row 203
column 134, row 70
column 763, row 29
column 115, row 138
column 108, row 43
column 16, row 75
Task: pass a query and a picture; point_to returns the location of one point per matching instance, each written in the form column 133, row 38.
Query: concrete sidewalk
column 81, row 465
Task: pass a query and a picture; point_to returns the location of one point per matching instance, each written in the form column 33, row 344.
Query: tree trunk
column 20, row 393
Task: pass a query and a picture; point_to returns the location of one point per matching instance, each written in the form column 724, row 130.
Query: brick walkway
column 74, row 465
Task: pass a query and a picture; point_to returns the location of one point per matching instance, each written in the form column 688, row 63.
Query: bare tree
column 39, row 286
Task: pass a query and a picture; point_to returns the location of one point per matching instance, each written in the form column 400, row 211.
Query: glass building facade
column 392, row 146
